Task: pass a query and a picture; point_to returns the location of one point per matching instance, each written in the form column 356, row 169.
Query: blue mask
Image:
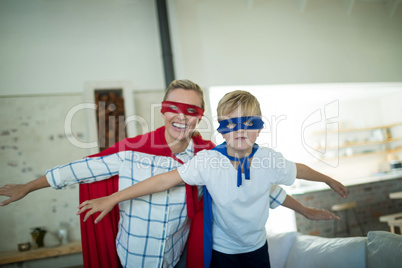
column 245, row 122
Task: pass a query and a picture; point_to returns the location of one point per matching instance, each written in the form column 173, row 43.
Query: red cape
column 99, row 240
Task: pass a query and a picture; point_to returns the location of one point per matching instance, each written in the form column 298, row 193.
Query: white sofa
column 379, row 249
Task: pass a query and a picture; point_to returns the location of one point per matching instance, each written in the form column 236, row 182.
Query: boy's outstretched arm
column 309, row 213
column 155, row 184
column 18, row 191
column 307, row 173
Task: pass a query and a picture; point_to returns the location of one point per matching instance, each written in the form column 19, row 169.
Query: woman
column 168, row 141
column 152, row 232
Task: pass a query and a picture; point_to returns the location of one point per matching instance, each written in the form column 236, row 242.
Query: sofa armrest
column 279, row 247
column 384, row 249
column 317, row 252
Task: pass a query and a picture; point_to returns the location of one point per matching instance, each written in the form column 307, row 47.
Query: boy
column 240, row 207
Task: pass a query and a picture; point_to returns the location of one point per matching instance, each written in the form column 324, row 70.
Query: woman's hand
column 319, row 214
column 14, row 191
column 18, row 191
column 338, row 187
column 103, row 205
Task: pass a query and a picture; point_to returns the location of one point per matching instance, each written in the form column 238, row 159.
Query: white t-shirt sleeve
column 194, row 172
column 285, row 170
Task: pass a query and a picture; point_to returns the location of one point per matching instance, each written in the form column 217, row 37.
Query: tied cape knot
column 243, row 162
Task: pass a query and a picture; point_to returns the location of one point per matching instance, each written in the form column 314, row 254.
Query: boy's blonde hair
column 231, row 101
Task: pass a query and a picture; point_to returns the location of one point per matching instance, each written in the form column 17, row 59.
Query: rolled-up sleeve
column 86, row 170
column 277, row 196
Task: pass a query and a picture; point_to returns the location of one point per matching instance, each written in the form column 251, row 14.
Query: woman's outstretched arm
column 16, row 192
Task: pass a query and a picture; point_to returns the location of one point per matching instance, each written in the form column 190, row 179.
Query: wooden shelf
column 385, row 149
column 346, row 130
column 368, row 153
column 361, row 144
column 377, row 152
column 13, row 256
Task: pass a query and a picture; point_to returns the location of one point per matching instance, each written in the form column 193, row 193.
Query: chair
column 347, row 208
column 393, row 220
column 396, row 223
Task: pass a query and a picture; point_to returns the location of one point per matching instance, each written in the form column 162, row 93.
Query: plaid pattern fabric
column 153, row 229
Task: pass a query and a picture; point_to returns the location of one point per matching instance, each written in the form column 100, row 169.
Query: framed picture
column 111, row 104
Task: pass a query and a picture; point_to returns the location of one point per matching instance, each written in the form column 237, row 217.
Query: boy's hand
column 103, row 205
column 319, row 214
column 338, row 187
column 14, row 191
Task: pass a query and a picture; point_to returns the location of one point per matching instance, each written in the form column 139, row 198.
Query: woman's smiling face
column 178, row 126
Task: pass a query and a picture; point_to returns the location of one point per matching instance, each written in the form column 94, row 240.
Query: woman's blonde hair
column 186, row 85
column 239, row 98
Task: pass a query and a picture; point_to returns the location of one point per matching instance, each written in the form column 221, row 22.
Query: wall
column 56, row 46
column 33, row 140
column 147, row 105
column 272, row 42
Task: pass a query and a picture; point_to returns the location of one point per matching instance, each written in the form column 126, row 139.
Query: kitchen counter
column 307, row 187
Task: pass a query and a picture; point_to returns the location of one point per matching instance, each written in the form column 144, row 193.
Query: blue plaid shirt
column 153, row 229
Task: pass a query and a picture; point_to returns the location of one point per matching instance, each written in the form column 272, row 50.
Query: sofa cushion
column 279, row 246
column 314, row 251
column 384, row 249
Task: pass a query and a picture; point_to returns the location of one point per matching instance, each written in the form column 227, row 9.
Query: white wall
column 56, row 46
column 225, row 43
column 33, row 139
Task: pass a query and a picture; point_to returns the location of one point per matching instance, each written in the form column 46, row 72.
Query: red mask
column 182, row 108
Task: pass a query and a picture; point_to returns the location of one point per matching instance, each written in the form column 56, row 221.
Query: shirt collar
column 189, row 151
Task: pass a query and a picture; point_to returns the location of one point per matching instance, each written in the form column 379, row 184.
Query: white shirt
column 239, row 213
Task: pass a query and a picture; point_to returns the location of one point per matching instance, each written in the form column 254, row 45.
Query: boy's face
column 241, row 141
